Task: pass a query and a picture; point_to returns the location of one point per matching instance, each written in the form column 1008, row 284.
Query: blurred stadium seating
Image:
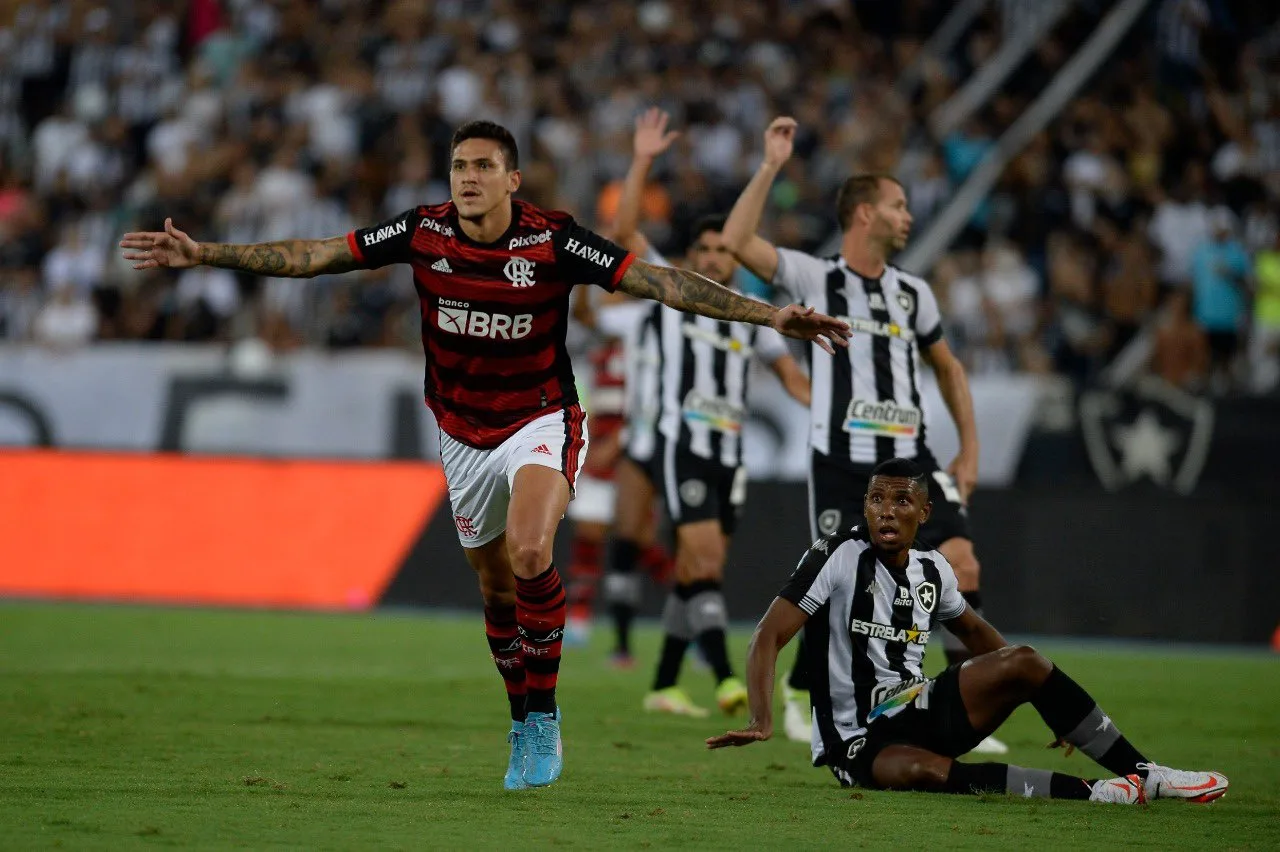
column 258, row 119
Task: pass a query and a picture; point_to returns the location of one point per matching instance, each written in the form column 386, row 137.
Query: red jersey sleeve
column 384, row 243
column 585, row 257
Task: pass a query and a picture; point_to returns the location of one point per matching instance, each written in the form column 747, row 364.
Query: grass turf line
column 127, row 727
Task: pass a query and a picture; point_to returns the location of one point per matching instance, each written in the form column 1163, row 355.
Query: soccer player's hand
column 964, row 470
column 171, row 248
column 652, row 137
column 807, row 324
column 779, row 138
column 753, row 733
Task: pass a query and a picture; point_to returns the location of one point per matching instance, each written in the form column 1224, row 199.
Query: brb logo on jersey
column 519, row 272
column 458, row 318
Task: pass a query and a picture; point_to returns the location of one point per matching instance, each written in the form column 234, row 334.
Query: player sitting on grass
column 867, row 602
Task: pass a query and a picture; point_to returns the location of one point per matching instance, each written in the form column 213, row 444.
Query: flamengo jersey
column 702, row 380
column 865, row 406
column 867, row 628
column 494, row 315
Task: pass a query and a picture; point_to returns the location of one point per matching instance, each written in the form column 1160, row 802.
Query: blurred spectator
column 250, row 120
column 1220, row 269
column 66, row 321
column 1180, row 354
column 1264, row 345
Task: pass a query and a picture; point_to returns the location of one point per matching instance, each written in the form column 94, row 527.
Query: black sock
column 1073, row 716
column 622, row 601
column 714, row 647
column 799, row 677
column 673, row 649
column 953, row 648
column 1016, row 781
column 976, row 778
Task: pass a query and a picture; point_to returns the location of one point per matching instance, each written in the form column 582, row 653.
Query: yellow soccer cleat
column 731, row 695
column 674, row 700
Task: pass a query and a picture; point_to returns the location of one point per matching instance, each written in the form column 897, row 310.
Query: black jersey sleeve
column 585, row 257
column 812, row 581
column 384, row 243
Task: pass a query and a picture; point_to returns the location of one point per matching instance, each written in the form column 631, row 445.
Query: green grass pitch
column 125, row 728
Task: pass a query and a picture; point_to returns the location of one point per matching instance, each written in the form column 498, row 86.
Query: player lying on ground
column 865, row 596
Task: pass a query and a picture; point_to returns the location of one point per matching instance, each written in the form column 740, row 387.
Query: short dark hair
column 902, row 469
column 859, row 189
column 709, row 222
column 494, row 132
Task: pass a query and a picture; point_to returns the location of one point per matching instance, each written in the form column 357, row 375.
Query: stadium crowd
column 1150, row 200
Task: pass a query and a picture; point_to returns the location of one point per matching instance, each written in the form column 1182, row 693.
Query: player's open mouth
column 470, row 193
column 888, row 533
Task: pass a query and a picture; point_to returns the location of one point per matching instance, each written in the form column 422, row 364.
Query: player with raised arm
column 493, row 277
column 637, row 476
column 866, row 399
column 868, row 603
column 700, row 390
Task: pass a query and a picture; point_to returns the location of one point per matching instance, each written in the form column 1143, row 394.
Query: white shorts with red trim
column 480, row 480
column 593, row 500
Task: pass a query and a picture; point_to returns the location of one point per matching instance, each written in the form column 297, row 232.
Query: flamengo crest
column 519, row 272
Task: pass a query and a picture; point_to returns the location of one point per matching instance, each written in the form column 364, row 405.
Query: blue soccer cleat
column 543, row 752
column 514, row 779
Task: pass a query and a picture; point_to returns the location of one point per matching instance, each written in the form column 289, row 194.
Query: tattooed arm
column 690, row 292
column 174, row 249
column 285, row 259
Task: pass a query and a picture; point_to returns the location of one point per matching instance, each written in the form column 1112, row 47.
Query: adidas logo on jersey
column 542, row 448
column 442, row 265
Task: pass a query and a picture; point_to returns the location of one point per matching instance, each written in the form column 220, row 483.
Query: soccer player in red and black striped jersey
column 493, row 276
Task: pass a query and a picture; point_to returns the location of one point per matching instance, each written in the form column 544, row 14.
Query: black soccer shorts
column 697, row 489
column 942, row 727
column 836, row 493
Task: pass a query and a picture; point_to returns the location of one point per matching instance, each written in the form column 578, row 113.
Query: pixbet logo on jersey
column 458, row 318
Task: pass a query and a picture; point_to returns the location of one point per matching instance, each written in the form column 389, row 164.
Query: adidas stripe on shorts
column 480, row 480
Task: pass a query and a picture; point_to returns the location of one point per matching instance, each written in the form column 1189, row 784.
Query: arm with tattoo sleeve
column 285, row 259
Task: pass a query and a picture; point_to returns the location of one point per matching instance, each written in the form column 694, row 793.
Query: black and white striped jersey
column 865, row 405
column 702, row 380
column 643, row 363
column 867, row 629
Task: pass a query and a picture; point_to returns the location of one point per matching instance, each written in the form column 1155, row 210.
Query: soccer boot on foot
column 731, row 695
column 797, row 719
column 577, row 633
column 1119, row 791
column 514, row 779
column 674, row 700
column 543, row 751
column 622, row 661
column 1165, row 783
column 990, row 745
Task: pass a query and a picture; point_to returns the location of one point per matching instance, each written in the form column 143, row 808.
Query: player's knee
column 1025, row 665
column 528, row 556
column 706, row 564
column 911, row 773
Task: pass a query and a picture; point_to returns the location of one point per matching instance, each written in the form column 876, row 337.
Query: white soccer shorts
column 480, row 480
column 593, row 500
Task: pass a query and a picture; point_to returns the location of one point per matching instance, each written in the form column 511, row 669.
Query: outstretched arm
column 783, row 620
column 691, row 292
column 174, row 249
column 756, row 253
